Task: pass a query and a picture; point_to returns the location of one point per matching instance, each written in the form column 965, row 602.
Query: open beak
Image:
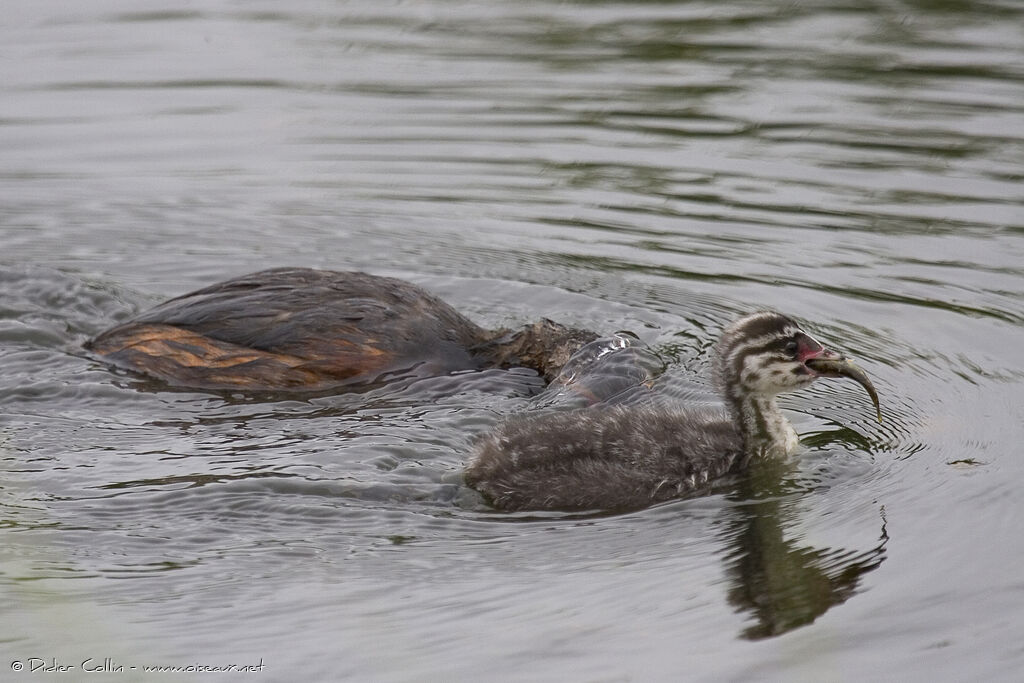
column 828, row 363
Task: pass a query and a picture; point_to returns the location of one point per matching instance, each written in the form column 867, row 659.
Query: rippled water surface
column 655, row 167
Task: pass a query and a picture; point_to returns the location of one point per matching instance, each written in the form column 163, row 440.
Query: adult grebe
column 621, row 457
column 298, row 329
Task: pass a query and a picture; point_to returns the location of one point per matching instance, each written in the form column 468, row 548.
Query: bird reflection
column 779, row 582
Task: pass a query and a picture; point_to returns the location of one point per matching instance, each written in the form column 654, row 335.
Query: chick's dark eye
column 791, row 348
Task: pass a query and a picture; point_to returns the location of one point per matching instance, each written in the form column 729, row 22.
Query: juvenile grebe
column 298, row 329
column 620, row 457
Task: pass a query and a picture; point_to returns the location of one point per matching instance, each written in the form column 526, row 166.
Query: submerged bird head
column 767, row 353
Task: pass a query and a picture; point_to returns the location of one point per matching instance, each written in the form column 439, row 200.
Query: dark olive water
column 648, row 166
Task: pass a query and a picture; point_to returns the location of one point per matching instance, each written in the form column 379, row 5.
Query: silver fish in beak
column 842, row 367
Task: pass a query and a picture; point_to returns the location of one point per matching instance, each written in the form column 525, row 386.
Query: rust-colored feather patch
column 186, row 358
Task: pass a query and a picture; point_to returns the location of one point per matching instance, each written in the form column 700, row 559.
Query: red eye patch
column 807, row 347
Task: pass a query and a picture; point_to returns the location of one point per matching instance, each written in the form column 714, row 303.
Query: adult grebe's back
column 298, row 329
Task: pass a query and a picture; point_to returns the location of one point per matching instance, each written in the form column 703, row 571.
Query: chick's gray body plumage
column 613, row 457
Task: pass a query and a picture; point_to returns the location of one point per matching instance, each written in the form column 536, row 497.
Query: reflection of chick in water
column 782, row 583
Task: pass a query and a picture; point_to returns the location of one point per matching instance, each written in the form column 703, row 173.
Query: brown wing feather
column 293, row 328
column 184, row 358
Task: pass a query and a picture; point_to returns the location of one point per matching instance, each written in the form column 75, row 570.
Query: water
column 653, row 167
